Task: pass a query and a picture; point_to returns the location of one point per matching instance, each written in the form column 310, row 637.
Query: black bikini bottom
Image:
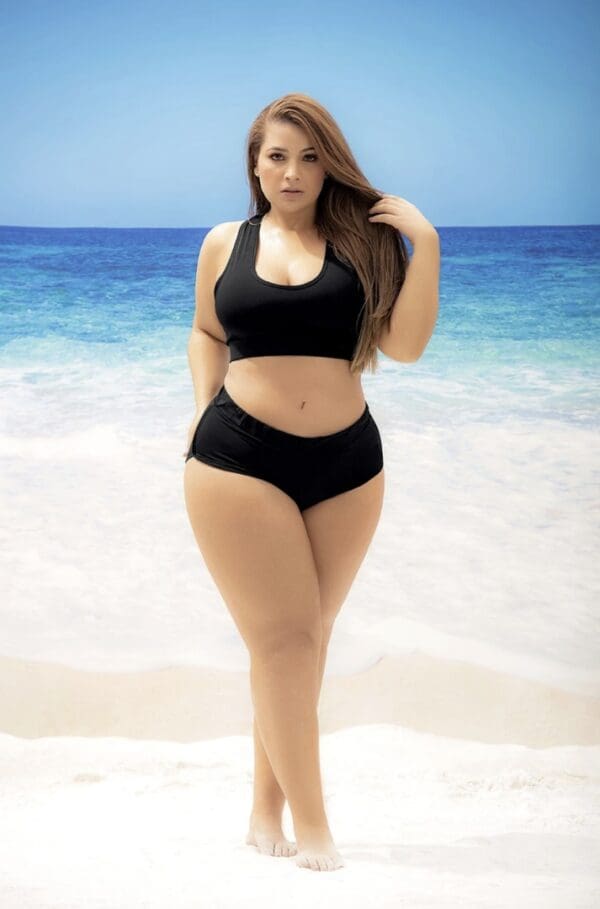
column 307, row 468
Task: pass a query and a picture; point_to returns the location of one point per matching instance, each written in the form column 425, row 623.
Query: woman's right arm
column 208, row 354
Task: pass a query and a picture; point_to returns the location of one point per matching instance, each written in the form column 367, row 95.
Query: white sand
column 130, row 790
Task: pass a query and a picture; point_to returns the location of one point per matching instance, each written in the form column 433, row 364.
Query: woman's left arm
column 415, row 311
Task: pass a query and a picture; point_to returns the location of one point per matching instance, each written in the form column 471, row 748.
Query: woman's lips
column 292, row 192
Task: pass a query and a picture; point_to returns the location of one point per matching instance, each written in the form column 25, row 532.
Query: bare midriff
column 303, row 395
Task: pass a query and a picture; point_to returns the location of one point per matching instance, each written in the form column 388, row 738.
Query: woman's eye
column 278, row 155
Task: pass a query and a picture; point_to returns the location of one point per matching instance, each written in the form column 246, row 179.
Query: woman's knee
column 290, row 641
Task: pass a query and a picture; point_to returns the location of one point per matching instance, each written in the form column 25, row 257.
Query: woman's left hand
column 401, row 214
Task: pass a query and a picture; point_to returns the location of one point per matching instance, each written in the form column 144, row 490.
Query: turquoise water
column 518, row 326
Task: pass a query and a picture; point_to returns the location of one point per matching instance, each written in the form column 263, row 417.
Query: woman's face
column 285, row 161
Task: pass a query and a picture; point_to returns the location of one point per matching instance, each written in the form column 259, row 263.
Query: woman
column 284, row 476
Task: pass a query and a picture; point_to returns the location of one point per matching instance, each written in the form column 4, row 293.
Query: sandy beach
column 185, row 704
column 446, row 785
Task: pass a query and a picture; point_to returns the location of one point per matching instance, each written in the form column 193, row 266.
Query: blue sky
column 135, row 114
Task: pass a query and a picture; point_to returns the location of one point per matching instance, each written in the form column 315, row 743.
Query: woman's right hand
column 192, row 429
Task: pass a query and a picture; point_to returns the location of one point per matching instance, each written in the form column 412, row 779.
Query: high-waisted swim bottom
column 307, row 468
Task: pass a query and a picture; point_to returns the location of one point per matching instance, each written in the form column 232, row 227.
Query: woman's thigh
column 340, row 530
column 256, row 547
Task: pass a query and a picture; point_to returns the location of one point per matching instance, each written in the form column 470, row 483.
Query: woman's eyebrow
column 278, row 148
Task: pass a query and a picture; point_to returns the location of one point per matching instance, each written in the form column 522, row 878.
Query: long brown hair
column 375, row 250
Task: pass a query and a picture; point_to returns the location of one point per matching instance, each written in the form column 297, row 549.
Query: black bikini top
column 260, row 318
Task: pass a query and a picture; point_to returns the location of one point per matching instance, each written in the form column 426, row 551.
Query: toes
column 281, row 848
column 319, row 862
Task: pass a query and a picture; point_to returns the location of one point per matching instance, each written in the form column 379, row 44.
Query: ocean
column 486, row 549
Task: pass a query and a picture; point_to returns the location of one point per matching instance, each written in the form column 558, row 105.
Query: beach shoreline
column 182, row 703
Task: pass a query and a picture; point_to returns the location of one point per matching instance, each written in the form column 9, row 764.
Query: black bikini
column 260, row 318
column 321, row 318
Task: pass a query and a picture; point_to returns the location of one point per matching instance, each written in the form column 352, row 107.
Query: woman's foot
column 317, row 851
column 265, row 832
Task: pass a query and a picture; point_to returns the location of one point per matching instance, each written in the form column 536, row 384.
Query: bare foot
column 318, row 853
column 267, row 835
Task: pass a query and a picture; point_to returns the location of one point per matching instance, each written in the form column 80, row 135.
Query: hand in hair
column 400, row 214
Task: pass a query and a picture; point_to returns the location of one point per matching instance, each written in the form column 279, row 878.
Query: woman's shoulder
column 221, row 236
column 224, row 229
column 221, row 239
